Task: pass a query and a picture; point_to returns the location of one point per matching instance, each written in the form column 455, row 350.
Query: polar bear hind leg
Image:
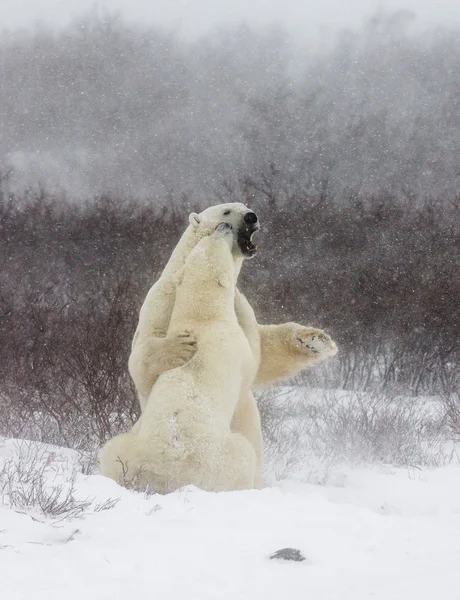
column 239, row 462
column 227, row 464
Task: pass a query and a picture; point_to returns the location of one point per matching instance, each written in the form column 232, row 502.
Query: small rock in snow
column 288, row 554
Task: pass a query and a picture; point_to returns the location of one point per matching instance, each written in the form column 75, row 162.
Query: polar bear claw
column 315, row 341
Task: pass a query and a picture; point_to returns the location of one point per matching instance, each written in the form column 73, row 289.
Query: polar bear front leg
column 152, row 356
column 288, row 348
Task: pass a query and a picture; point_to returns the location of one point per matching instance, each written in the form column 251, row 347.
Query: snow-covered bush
column 41, row 479
column 309, row 430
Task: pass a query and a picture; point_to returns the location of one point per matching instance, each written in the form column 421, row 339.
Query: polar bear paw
column 314, row 342
column 178, row 348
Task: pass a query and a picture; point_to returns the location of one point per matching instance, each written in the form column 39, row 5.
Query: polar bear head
column 211, row 260
column 243, row 220
column 206, row 284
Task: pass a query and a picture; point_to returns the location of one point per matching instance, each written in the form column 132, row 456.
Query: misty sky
column 193, row 17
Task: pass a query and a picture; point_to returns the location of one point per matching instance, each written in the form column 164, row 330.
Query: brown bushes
column 379, row 273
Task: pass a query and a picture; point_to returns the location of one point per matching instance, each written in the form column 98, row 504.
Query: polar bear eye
column 227, row 212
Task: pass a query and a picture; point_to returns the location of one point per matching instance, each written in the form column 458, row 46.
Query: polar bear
column 183, row 436
column 279, row 351
column 154, row 352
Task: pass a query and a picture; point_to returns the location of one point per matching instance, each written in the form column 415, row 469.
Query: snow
column 370, row 533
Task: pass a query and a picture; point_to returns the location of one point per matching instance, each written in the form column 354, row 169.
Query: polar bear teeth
column 250, row 244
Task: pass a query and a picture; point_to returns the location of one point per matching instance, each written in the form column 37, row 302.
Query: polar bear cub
column 183, row 436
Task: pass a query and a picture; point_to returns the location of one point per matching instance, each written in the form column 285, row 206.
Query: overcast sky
column 194, row 17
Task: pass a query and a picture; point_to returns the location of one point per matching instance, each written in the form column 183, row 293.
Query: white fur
column 152, row 351
column 278, row 351
column 184, row 436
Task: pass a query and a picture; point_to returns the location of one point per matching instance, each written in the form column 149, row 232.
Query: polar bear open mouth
column 244, row 240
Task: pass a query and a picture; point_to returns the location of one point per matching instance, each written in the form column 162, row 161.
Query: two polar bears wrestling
column 197, row 352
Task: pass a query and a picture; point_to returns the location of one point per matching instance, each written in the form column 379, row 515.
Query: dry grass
column 309, row 431
column 35, row 480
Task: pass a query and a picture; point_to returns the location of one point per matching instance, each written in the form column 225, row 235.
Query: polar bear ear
column 194, row 219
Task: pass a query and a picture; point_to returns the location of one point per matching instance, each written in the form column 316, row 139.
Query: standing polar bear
column 184, row 436
column 278, row 351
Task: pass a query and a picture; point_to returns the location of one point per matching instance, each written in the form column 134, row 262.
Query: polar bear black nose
column 250, row 218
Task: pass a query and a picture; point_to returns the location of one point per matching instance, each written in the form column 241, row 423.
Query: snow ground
column 379, row 533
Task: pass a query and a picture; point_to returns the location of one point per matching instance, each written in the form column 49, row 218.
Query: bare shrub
column 66, row 330
column 106, row 505
column 373, row 428
column 33, row 479
column 52, row 501
column 134, row 480
column 289, row 442
column 452, row 406
column 27, row 482
column 69, row 383
column 88, row 461
column 377, row 271
column 309, row 431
